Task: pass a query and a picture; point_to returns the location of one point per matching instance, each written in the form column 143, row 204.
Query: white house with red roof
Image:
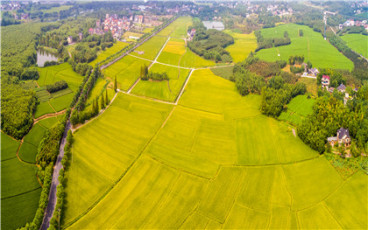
column 325, row 81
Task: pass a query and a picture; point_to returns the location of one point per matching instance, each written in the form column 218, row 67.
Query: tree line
column 210, row 44
column 264, row 43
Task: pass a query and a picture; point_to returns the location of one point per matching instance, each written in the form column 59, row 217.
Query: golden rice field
column 212, row 161
column 243, row 45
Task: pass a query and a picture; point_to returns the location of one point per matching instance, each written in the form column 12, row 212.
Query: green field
column 297, row 109
column 243, row 45
column 49, row 103
column 20, row 190
column 312, row 45
column 151, row 48
column 108, row 52
column 126, row 70
column 57, row 9
column 357, row 42
column 164, row 90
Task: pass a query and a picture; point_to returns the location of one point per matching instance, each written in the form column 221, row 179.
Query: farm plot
column 176, row 53
column 9, row 146
column 311, row 45
column 165, row 90
column 178, row 28
column 208, row 166
column 243, row 45
column 298, row 108
column 31, row 141
column 49, row 103
column 126, row 71
column 108, row 52
column 357, row 42
column 20, row 189
column 129, row 124
column 150, row 48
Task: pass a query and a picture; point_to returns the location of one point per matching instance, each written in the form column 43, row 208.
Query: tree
column 301, row 33
column 115, row 84
column 103, row 105
column 107, row 98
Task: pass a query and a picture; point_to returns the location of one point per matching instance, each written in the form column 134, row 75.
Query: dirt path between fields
column 35, row 121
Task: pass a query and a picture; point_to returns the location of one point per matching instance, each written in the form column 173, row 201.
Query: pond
column 43, row 56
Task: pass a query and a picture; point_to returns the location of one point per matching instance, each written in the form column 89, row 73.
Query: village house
column 325, row 81
column 341, row 88
column 342, row 138
column 313, row 71
column 70, row 39
column 80, row 36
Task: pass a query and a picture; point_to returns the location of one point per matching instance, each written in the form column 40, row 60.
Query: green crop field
column 165, row 90
column 59, row 100
column 20, row 190
column 121, row 121
column 43, row 108
column 57, row 9
column 357, row 42
column 151, row 48
column 243, row 45
column 312, row 45
column 108, row 52
column 9, row 146
column 126, row 70
column 298, row 108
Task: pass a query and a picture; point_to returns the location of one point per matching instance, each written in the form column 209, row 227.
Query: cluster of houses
column 325, row 82
column 279, row 12
column 118, row 26
column 351, row 22
column 191, row 34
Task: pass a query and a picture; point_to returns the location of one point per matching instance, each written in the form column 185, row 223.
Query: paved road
column 55, row 182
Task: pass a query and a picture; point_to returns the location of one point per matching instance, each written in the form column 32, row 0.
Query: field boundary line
column 48, row 115
column 342, row 183
column 119, row 178
column 178, row 169
column 19, row 194
column 183, row 88
column 273, row 164
column 333, row 216
column 147, row 98
column 51, row 105
column 201, row 110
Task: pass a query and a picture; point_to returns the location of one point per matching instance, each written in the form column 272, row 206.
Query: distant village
column 118, row 26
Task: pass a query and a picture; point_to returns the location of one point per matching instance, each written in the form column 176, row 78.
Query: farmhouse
column 325, row 81
column 342, row 138
column 70, row 39
column 313, row 71
column 341, row 88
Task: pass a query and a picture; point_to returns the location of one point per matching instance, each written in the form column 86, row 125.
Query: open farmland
column 20, row 190
column 243, row 45
column 357, row 42
column 311, row 45
column 126, row 71
column 164, row 90
column 298, row 108
column 122, row 120
column 178, row 28
column 150, row 49
column 176, row 53
column 108, row 52
column 60, row 100
column 175, row 178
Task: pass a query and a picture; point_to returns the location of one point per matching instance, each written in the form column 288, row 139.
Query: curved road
column 55, row 182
